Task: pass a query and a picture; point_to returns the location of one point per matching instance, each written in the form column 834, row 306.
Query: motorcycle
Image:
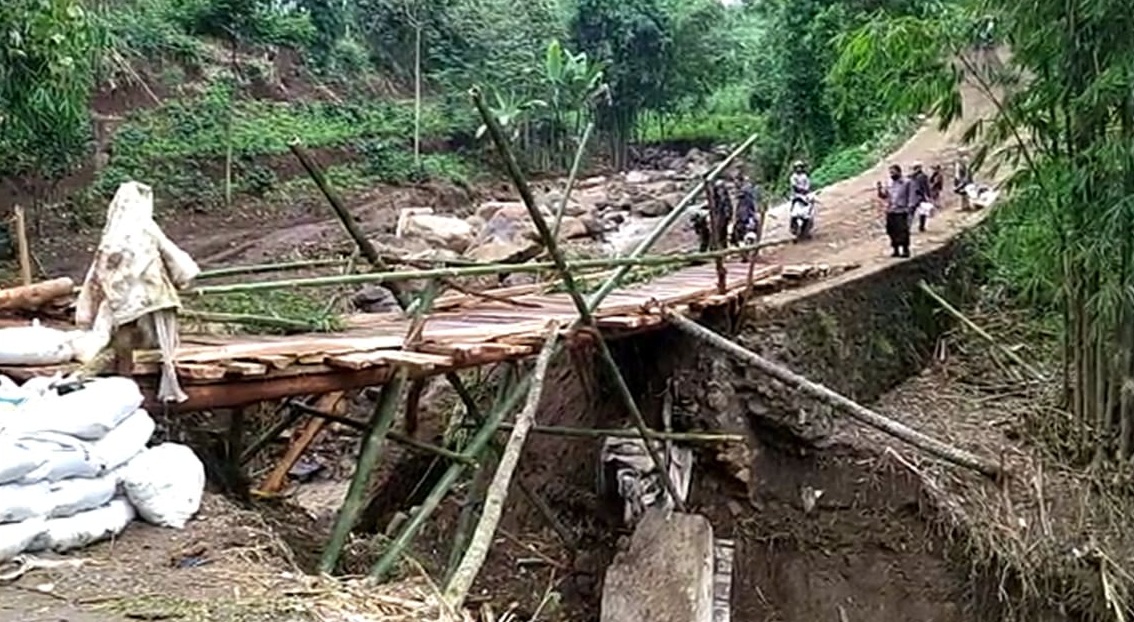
column 802, row 215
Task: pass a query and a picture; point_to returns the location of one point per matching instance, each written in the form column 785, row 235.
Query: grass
column 307, row 311
column 180, row 147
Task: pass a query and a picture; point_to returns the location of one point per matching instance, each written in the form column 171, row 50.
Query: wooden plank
column 191, row 371
column 245, row 368
column 361, row 360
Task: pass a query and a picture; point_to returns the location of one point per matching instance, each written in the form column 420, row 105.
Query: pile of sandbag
column 75, row 467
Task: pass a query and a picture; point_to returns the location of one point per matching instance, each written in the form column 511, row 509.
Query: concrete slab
column 666, row 575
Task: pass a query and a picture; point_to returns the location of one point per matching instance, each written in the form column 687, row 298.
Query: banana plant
column 512, row 112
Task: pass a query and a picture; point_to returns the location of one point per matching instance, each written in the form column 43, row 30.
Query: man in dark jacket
column 919, row 195
column 745, row 212
column 898, row 209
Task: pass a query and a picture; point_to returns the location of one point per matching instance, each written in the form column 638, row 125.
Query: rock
column 572, row 227
column 509, row 236
column 476, row 222
column 404, row 217
column 666, row 574
column 485, row 211
column 448, row 231
column 374, row 299
column 591, row 182
column 637, row 177
column 518, row 278
column 614, row 218
column 651, row 208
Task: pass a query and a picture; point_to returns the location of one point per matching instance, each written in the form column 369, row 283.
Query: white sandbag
column 20, row 502
column 34, row 345
column 71, row 496
column 125, row 441
column 84, row 528
column 17, row 460
column 15, row 538
column 165, row 484
column 40, row 385
column 88, row 413
column 63, row 456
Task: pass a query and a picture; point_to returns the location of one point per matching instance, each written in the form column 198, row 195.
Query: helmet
column 798, row 164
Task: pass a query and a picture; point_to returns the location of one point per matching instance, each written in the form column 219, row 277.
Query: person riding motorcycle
column 800, row 181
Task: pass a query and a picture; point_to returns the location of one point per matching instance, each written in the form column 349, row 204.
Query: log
column 36, row 295
column 863, row 414
column 477, row 552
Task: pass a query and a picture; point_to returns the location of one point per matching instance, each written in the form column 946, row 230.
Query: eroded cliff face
column 860, row 336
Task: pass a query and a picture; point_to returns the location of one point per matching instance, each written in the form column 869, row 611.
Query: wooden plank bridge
column 460, row 332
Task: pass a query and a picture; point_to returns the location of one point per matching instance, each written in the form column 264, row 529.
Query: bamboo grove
column 1064, row 242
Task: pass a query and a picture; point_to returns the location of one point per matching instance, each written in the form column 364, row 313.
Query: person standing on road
column 936, row 185
column 897, row 197
column 919, row 200
column 963, row 179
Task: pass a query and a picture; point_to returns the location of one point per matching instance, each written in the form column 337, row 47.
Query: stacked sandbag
column 65, row 452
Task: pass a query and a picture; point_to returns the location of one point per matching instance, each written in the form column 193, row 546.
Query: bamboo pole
column 817, row 391
column 980, row 332
column 262, row 321
column 392, row 435
column 458, row 587
column 385, row 410
column 270, row 435
column 579, row 153
column 22, row 246
column 667, row 223
column 475, row 446
column 479, row 270
column 217, row 273
column 479, row 485
column 586, row 316
column 688, row 437
column 341, row 211
column 380, row 421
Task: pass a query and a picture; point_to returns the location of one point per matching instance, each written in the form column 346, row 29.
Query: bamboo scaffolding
column 586, row 316
column 474, row 448
column 479, row 270
column 815, row 390
column 385, row 410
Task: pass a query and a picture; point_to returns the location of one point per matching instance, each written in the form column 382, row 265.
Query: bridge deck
column 461, row 332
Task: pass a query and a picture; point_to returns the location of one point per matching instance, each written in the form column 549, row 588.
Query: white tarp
column 134, row 278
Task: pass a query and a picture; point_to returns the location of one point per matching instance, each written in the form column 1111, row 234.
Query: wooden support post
column 586, row 317
column 237, row 479
column 817, row 391
column 275, row 481
column 458, row 587
column 23, row 247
